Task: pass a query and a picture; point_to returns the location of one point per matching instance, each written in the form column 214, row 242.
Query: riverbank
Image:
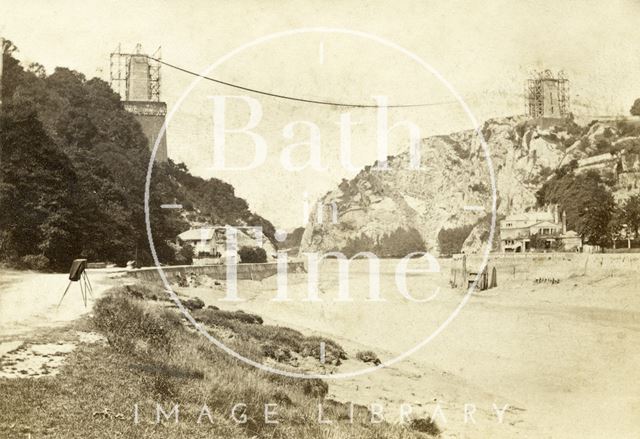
column 527, row 359
column 562, row 355
column 148, row 374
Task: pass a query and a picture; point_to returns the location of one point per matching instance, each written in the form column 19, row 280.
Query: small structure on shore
column 460, row 277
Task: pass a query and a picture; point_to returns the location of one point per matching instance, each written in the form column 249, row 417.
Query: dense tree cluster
column 629, row 215
column 293, row 240
column 590, row 206
column 635, row 108
column 213, row 201
column 450, row 241
column 396, row 244
column 73, row 165
column 252, row 255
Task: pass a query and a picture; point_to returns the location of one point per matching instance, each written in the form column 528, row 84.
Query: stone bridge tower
column 136, row 77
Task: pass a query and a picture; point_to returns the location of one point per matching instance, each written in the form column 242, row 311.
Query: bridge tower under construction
column 136, row 78
column 547, row 95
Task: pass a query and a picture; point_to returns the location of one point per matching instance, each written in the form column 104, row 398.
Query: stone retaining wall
column 558, row 265
column 218, row 271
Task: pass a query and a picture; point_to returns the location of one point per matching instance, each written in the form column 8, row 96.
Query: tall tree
column 38, row 188
column 587, row 201
column 616, row 225
column 635, row 108
column 74, row 165
column 631, row 213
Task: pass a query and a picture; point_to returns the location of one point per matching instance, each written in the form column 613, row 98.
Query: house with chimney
column 210, row 242
column 544, row 229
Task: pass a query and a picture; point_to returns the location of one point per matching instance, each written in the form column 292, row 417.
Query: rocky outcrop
column 452, row 189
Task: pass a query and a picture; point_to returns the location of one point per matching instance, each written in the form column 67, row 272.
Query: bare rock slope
column 398, row 210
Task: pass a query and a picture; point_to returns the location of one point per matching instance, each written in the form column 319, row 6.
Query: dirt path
column 29, row 304
column 28, row 300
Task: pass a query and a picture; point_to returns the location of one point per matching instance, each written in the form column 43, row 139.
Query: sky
column 483, row 50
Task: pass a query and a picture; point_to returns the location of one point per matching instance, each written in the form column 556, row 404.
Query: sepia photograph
column 298, row 219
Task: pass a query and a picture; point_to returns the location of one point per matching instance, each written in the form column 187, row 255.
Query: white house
column 516, row 231
column 210, row 242
column 203, row 240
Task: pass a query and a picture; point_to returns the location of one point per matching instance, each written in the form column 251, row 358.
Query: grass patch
column 152, row 359
column 130, row 323
column 276, row 342
column 218, row 317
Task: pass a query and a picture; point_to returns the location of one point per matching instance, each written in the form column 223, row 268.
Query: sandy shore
column 547, row 360
column 562, row 357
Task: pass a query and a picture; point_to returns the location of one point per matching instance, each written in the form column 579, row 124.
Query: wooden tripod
column 85, row 287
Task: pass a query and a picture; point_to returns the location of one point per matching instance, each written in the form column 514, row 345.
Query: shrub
column 193, row 303
column 312, row 346
column 220, row 317
column 479, row 187
column 635, row 108
column 569, row 141
column 281, row 397
column 425, row 425
column 340, row 411
column 163, row 386
column 573, row 128
column 585, row 144
column 461, row 151
column 315, row 387
column 627, row 128
column 184, row 254
column 252, row 254
column 127, row 322
column 271, row 350
column 603, row 145
column 35, row 262
column 368, row 357
column 140, row 291
column 276, row 342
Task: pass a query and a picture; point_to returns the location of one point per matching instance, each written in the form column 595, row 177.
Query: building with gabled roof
column 517, row 231
column 210, row 242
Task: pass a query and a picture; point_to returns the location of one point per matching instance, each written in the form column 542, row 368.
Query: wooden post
column 465, row 281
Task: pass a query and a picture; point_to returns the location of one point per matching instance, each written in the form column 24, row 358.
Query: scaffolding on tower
column 120, row 68
column 547, row 95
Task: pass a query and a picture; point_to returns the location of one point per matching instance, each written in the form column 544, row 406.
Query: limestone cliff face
column 454, row 177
